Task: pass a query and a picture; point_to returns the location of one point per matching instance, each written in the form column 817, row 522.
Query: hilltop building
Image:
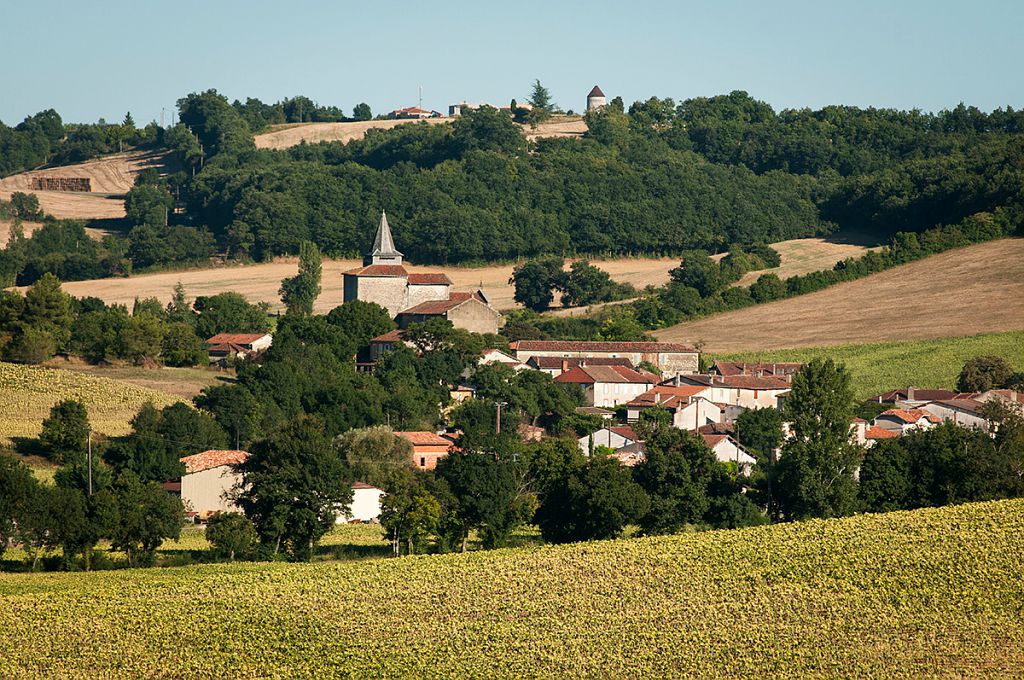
column 415, row 297
column 595, row 99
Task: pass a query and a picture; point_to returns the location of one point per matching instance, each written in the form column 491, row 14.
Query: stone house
column 669, row 358
column 427, row 448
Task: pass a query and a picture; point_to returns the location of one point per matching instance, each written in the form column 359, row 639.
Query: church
column 415, row 297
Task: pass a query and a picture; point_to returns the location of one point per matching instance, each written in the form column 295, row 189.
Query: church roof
column 596, row 92
column 383, row 243
column 393, row 270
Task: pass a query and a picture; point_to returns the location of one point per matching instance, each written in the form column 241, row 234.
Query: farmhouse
column 207, row 480
column 728, row 450
column 427, row 448
column 962, row 411
column 412, row 113
column 669, row 358
column 902, row 421
column 689, row 405
column 608, row 385
column 413, row 298
column 229, row 345
column 613, row 436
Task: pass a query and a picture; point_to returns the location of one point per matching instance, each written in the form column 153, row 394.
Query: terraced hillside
column 928, row 592
column 977, row 289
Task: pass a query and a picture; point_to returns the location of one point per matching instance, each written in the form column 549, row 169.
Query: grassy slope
column 28, row 392
column 881, row 366
column 928, row 592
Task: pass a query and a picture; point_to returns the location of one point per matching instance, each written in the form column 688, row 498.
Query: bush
column 231, row 534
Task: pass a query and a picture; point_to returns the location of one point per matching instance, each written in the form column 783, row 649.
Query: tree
column 378, row 457
column 984, row 373
column 236, row 410
column 585, row 284
column 300, row 291
column 489, row 490
column 540, row 103
column 768, row 287
column 487, row 129
column 146, row 515
column 535, row 280
column 48, row 309
column 815, row 474
column 148, row 204
column 361, row 321
column 292, row 486
column 178, row 309
column 66, row 431
column 760, row 432
column 231, row 534
column 229, row 313
column 410, row 515
column 675, row 473
column 362, row 111
column 181, row 346
column 697, row 270
column 17, row 488
column 26, row 206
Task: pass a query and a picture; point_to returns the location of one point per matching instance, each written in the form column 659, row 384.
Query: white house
column 688, row 405
column 728, row 450
column 365, row 506
column 226, row 345
column 608, row 386
column 613, row 436
column 966, row 412
column 207, row 480
column 902, row 421
column 496, row 356
column 748, row 391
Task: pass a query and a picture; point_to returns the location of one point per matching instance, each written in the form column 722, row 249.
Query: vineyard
column 881, row 366
column 28, row 392
column 929, row 592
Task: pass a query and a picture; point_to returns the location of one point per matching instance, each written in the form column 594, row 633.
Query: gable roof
column 424, row 438
column 596, row 92
column 386, row 270
column 739, row 382
column 972, row 406
column 557, row 362
column 761, row 368
column 591, row 346
column 390, row 336
column 235, row 338
column 903, row 394
column 876, row 432
column 910, row 415
column 438, row 307
column 587, row 375
column 429, row 279
column 214, row 458
column 713, row 439
column 624, row 431
column 667, row 396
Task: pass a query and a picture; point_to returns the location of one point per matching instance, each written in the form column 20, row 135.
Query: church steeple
column 384, row 251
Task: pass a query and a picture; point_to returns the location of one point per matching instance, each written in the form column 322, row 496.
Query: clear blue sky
column 99, row 59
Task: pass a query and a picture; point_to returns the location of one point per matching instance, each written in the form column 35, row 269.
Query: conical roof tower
column 384, row 251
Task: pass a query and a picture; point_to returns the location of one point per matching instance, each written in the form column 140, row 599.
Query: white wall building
column 208, row 479
column 365, row 506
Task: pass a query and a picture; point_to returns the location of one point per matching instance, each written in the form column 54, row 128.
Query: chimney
column 657, row 397
column 565, row 365
column 910, row 394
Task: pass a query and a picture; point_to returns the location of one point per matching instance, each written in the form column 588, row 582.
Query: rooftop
column 605, row 374
column 429, row 279
column 742, row 382
column 214, row 458
column 596, row 92
column 910, row 415
column 431, row 307
column 235, row 338
column 390, row 336
column 593, row 346
column 424, row 438
column 875, row 432
column 559, row 362
column 668, row 396
column 389, row 270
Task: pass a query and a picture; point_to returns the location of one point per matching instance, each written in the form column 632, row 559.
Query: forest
column 657, row 178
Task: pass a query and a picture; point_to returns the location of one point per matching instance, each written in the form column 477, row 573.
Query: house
column 669, row 358
column 365, row 505
column 497, row 356
column 630, row 455
column 414, row 297
column 229, row 345
column 748, row 391
column 728, row 450
column 901, row 421
column 608, row 385
column 555, row 366
column 612, row 436
column 471, row 311
column 688, row 405
column 382, row 344
column 604, row 413
column 412, row 113
column 427, row 448
column 461, row 393
column 874, row 433
column 208, row 479
column 966, row 411
column 777, row 369
column 912, row 397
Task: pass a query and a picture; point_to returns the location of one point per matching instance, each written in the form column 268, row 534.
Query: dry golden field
column 291, row 134
column 977, row 289
column 806, row 255
column 112, row 177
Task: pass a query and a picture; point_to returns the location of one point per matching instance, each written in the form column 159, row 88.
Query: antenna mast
column 421, row 97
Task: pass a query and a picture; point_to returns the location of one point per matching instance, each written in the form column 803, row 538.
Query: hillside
column 928, row 592
column 288, row 135
column 28, row 392
column 878, row 367
column 111, row 178
column 977, row 289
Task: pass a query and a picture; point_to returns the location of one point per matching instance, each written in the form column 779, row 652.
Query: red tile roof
column 390, row 336
column 235, row 338
column 741, row 382
column 392, row 270
column 911, row 415
column 589, row 346
column 667, row 396
column 556, row 362
column 429, row 279
column 437, row 307
column 716, row 428
column 363, row 485
column 762, row 368
column 424, row 438
column 713, row 439
column 876, row 432
column 624, row 431
column 587, row 375
column 214, row 458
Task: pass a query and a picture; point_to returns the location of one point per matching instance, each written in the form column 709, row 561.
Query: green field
column 879, row 367
column 929, row 592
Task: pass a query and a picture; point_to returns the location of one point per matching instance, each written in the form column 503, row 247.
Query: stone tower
column 384, row 251
column 595, row 99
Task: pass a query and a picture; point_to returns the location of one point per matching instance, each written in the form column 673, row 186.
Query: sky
column 99, row 59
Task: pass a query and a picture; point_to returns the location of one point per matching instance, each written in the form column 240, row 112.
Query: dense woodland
column 705, row 174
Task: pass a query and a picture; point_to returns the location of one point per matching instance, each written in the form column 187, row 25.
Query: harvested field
column 806, row 255
column 29, row 227
column 977, row 289
column 284, row 136
column 177, row 382
column 261, row 282
column 110, row 178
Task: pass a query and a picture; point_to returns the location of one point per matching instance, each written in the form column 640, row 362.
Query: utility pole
column 90, row 461
column 497, row 420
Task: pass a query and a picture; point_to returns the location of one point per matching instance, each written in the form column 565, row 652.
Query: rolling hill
column 977, row 289
column 926, row 592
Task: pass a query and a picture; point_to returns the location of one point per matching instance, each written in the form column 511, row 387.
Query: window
column 423, row 461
